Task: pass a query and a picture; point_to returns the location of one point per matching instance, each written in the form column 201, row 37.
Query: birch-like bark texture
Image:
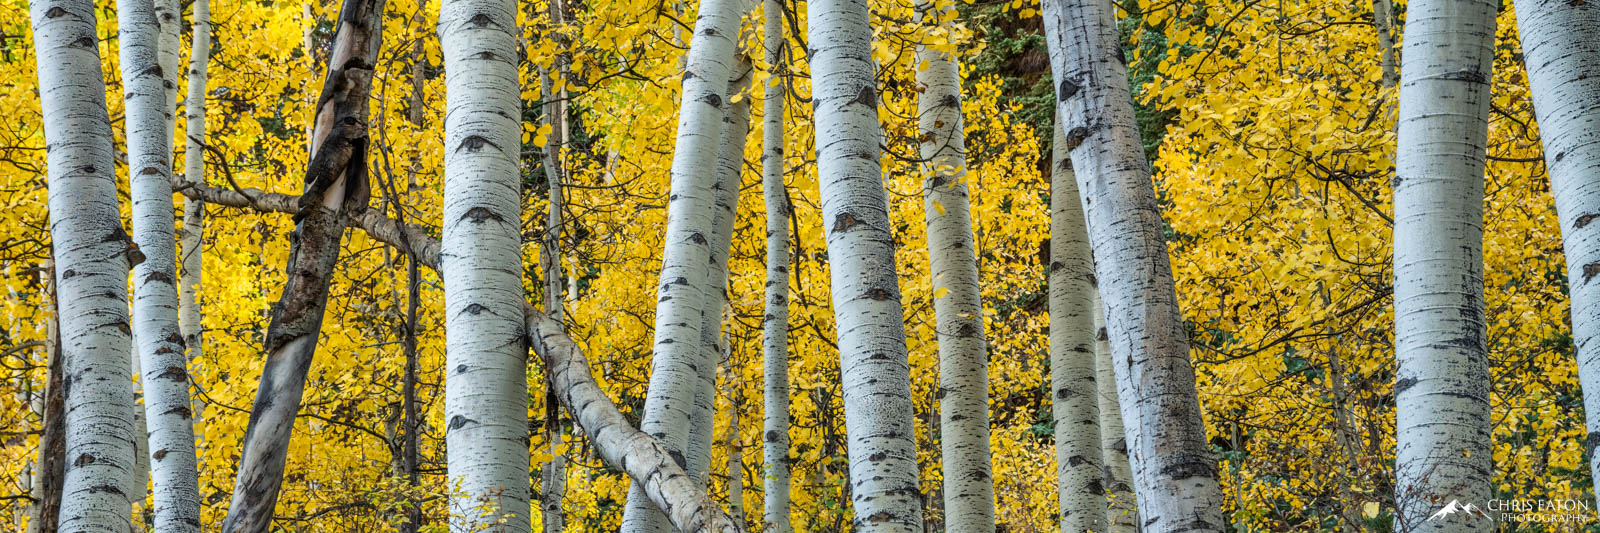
column 1441, row 389
column 192, row 237
column 1383, row 22
column 1562, row 55
column 486, row 378
column 646, row 461
column 775, row 320
column 169, row 18
column 1177, row 481
column 735, row 460
column 1122, row 516
column 335, row 190
column 92, row 258
column 160, row 344
column 1073, row 398
column 730, row 161
column 963, row 358
column 678, row 355
column 866, row 296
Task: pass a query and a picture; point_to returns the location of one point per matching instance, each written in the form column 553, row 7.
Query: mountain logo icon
column 1454, row 507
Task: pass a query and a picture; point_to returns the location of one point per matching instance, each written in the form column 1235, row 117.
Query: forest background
column 1269, row 125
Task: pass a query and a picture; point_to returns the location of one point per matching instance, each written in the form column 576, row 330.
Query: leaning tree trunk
column 191, row 238
column 1122, row 516
column 160, row 347
column 686, row 261
column 642, row 457
column 553, row 474
column 1177, row 482
column 335, row 190
column 958, row 312
column 775, row 322
column 1562, row 54
column 730, row 163
column 879, row 417
column 486, row 383
column 1442, row 432
column 1073, row 401
column 92, row 258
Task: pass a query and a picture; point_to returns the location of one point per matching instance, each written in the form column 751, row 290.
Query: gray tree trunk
column 1175, row 476
column 679, row 355
column 92, row 258
column 160, row 347
column 1122, row 515
column 1074, row 399
column 335, row 190
column 1442, row 384
column 879, row 416
column 1562, row 54
column 775, row 321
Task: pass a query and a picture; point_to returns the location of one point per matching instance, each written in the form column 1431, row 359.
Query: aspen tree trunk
column 1177, row 481
column 335, row 190
column 1122, row 516
column 775, row 320
column 553, row 474
column 879, row 417
column 1562, row 54
column 50, row 465
column 169, row 19
column 735, row 464
column 192, row 237
column 1442, row 381
column 1074, row 399
column 678, row 354
column 730, row 162
column 1383, row 22
column 92, row 258
column 958, row 307
column 486, row 383
column 160, row 346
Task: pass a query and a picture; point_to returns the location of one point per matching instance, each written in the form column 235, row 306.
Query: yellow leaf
column 941, row 292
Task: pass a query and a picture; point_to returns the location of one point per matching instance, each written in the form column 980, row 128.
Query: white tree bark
column 679, row 356
column 553, row 474
column 1122, row 516
column 1074, row 399
column 1562, row 54
column 730, row 163
column 486, row 379
column 1442, row 381
column 192, row 237
column 1177, row 481
column 963, row 355
column 92, row 258
column 160, row 346
column 866, row 297
column 775, row 320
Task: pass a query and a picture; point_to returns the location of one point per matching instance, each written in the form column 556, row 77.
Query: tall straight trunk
column 192, row 237
column 679, row 355
column 50, row 464
column 169, row 20
column 335, row 190
column 1562, row 54
column 486, row 383
column 1441, row 389
column 958, row 312
column 1177, row 481
column 879, row 416
column 92, row 258
column 1122, row 516
column 1383, row 22
column 155, row 296
column 1074, row 401
column 735, row 464
column 730, row 163
column 775, row 320
column 553, row 474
